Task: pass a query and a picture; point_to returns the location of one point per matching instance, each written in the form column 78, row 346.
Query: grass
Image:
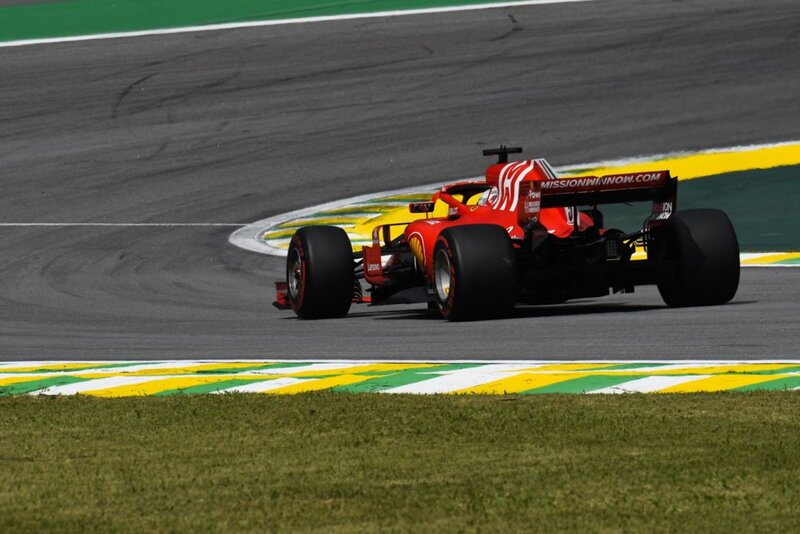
column 341, row 462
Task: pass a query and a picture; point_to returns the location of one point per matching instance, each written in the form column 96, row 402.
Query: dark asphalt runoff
column 229, row 127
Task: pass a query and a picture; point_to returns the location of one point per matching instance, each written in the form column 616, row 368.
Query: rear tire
column 319, row 272
column 703, row 245
column 474, row 275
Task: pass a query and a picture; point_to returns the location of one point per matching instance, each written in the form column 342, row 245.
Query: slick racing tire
column 319, row 272
column 703, row 246
column 474, row 273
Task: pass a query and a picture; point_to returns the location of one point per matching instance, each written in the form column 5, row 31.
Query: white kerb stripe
column 304, row 368
column 266, row 385
column 650, row 384
column 174, row 364
column 461, row 379
column 94, row 385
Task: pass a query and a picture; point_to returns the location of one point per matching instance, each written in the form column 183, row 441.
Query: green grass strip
column 400, row 378
column 584, row 384
column 338, row 463
column 23, row 388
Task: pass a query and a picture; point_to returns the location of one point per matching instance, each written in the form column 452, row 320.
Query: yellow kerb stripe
column 711, row 163
column 723, row 369
column 20, row 379
column 322, row 383
column 357, row 368
column 719, row 383
column 155, row 386
column 521, row 382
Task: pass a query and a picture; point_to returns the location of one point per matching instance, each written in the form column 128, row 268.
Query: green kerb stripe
column 23, row 388
column 782, row 370
column 83, row 17
column 788, row 382
column 584, row 384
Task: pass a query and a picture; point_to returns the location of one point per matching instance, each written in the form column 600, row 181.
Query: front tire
column 474, row 275
column 703, row 246
column 319, row 272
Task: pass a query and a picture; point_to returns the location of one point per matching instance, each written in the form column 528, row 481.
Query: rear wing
column 528, row 186
column 657, row 186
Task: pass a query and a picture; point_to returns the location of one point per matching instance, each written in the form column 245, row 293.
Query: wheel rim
column 295, row 274
column 442, row 276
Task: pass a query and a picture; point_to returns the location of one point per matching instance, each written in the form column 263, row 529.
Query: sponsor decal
column 532, row 205
column 616, row 180
column 664, row 211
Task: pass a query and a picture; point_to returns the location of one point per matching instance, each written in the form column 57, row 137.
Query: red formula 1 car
column 521, row 236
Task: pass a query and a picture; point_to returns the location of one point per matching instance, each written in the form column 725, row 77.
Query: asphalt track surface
column 234, row 126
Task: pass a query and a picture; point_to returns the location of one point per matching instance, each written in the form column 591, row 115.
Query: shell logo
column 417, row 248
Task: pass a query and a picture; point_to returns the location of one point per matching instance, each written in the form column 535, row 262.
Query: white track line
column 281, row 22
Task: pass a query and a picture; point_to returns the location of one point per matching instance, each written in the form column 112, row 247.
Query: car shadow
column 550, row 310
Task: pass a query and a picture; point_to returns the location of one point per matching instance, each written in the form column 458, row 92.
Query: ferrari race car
column 522, row 236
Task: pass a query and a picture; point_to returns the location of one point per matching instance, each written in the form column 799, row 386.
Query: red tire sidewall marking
column 297, row 244
column 447, row 308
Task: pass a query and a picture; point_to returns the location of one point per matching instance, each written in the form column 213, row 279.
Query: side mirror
column 421, row 207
